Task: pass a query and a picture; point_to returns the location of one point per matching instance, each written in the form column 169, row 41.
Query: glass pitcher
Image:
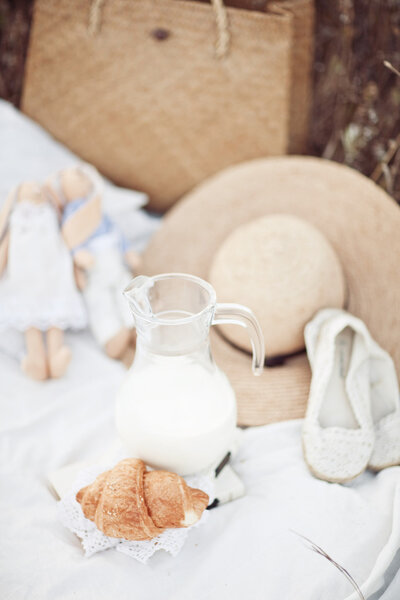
column 176, row 409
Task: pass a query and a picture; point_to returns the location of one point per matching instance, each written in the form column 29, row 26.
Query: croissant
column 135, row 504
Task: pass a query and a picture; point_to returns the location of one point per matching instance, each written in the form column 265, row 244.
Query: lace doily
column 71, row 515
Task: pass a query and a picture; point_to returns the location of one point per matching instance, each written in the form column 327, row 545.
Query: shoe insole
column 336, row 410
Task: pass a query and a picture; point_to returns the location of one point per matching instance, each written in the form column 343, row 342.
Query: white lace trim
column 61, row 313
column 172, row 540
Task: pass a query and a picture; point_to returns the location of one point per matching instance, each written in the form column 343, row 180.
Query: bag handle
column 221, row 19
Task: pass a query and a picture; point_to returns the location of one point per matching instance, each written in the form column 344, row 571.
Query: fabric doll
column 101, row 256
column 38, row 294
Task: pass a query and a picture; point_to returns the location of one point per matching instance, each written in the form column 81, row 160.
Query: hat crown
column 285, row 270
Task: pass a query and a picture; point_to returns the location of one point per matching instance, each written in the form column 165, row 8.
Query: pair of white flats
column 353, row 414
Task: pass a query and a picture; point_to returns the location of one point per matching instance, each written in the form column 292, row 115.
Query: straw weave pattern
column 140, row 93
column 358, row 218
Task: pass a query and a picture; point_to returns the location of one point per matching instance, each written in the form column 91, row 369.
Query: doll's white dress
column 38, row 289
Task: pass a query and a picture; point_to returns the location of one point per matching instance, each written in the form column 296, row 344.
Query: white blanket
column 246, row 549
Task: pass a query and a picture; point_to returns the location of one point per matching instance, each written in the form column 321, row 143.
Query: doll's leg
column 105, row 323
column 104, row 320
column 121, row 305
column 125, row 317
column 34, row 363
column 59, row 355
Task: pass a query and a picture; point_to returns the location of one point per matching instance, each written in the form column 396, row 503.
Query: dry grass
column 356, row 117
column 356, row 113
column 15, row 18
column 318, row 550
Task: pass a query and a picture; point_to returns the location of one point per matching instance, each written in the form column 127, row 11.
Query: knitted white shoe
column 385, row 408
column 338, row 433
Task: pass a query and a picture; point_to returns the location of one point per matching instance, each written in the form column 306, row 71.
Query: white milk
column 176, row 415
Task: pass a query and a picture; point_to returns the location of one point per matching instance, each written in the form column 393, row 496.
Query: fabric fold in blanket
column 247, row 548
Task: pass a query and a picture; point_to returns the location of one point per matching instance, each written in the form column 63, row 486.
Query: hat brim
column 359, row 219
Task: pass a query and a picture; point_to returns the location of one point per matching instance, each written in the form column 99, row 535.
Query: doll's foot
column 59, row 361
column 117, row 345
column 128, row 356
column 35, row 367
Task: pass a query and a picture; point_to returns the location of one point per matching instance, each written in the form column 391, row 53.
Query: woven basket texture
column 147, row 101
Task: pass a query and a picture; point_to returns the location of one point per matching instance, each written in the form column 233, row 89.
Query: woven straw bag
column 160, row 94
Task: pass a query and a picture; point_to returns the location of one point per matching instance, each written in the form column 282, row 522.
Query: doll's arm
column 81, row 224
column 4, row 252
column 133, row 260
column 83, row 259
column 5, row 212
column 80, row 277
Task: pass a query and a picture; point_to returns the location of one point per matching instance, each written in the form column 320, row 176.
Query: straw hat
column 286, row 236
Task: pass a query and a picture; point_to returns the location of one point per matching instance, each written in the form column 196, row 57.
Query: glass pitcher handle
column 237, row 314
